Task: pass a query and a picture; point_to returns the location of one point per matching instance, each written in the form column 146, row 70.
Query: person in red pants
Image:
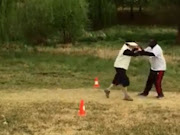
column 158, row 68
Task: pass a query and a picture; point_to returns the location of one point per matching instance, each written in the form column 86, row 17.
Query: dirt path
column 54, row 112
column 171, row 99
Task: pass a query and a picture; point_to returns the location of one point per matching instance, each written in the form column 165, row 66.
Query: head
column 132, row 45
column 152, row 43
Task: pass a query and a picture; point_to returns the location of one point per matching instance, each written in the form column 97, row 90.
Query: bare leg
column 126, row 96
column 110, row 87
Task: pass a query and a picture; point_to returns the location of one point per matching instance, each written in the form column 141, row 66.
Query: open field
column 77, row 67
column 54, row 112
column 24, row 67
column 41, row 87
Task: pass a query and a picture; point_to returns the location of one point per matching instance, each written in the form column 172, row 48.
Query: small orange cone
column 96, row 83
column 82, row 109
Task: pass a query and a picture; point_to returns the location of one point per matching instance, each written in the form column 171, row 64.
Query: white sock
column 109, row 88
column 125, row 92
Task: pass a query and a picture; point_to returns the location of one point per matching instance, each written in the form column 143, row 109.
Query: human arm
column 130, row 53
column 146, row 53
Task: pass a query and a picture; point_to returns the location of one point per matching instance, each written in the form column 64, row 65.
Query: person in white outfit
column 121, row 65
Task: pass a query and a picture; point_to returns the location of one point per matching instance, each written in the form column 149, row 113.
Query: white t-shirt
column 122, row 61
column 157, row 62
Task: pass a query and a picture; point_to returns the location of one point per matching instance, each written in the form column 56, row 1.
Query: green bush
column 70, row 18
column 102, row 13
column 9, row 28
column 35, row 21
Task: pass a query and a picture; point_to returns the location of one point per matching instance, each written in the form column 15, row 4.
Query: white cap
column 132, row 44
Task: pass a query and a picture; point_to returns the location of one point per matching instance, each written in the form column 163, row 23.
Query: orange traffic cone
column 82, row 109
column 96, row 83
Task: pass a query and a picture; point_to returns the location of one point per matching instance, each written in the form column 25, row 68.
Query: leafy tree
column 102, row 13
column 131, row 4
column 168, row 9
column 34, row 21
column 70, row 18
column 6, row 10
column 141, row 4
column 37, row 20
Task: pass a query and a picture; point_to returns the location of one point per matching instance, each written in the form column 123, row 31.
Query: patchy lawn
column 54, row 112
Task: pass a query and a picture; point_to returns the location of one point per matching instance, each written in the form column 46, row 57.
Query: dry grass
column 104, row 53
column 172, row 59
column 54, row 112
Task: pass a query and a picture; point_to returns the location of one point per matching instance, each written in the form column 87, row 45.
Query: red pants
column 155, row 77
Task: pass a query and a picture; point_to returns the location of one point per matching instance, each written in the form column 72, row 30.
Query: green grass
column 24, row 68
column 142, row 34
column 46, row 70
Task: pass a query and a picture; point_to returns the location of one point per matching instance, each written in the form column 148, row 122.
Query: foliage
column 9, row 20
column 102, row 13
column 55, row 21
column 119, row 34
column 37, row 20
column 34, row 21
column 167, row 9
column 70, row 18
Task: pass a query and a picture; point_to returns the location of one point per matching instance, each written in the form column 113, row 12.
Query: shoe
column 160, row 96
column 142, row 94
column 128, row 98
column 107, row 92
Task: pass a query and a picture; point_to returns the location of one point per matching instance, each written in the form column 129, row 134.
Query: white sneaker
column 107, row 92
column 128, row 98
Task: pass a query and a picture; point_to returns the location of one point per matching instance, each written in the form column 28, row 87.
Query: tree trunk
column 123, row 5
column 178, row 35
column 100, row 22
column 140, row 9
column 132, row 10
column 140, row 6
column 64, row 36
